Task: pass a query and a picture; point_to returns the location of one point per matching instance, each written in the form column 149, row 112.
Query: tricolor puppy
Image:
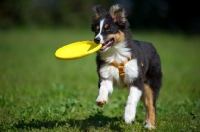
column 126, row 63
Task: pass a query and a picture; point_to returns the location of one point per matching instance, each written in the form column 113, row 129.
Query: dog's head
column 109, row 26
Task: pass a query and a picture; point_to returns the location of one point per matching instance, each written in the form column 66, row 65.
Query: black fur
column 144, row 52
column 152, row 66
column 149, row 64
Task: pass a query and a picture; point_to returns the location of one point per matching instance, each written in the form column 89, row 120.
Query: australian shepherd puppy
column 126, row 63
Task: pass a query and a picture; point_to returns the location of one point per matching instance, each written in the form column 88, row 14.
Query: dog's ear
column 96, row 12
column 118, row 14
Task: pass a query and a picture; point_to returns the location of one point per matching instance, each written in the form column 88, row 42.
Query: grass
column 40, row 93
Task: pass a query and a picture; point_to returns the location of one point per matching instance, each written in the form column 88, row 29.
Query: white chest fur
column 112, row 73
column 119, row 53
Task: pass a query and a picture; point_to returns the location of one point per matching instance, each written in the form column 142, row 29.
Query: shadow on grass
column 38, row 124
column 97, row 121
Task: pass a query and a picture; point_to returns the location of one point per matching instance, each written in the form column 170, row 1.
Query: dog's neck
column 117, row 53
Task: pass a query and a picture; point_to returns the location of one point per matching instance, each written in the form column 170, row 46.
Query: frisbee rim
column 76, row 56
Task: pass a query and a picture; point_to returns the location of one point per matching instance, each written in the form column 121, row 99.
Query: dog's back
column 152, row 71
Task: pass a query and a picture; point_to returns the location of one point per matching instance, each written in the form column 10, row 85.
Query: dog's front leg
column 131, row 104
column 105, row 88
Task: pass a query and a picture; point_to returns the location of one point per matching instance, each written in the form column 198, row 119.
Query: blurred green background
column 143, row 14
column 40, row 93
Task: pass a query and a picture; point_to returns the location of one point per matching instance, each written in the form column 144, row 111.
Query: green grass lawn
column 40, row 93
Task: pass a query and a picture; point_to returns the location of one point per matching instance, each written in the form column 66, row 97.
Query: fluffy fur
column 142, row 74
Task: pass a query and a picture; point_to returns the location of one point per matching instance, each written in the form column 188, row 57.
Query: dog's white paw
column 101, row 100
column 148, row 125
column 129, row 114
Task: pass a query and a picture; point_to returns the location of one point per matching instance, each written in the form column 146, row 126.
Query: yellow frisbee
column 77, row 50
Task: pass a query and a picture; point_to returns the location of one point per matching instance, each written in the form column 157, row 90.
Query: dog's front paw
column 101, row 103
column 129, row 114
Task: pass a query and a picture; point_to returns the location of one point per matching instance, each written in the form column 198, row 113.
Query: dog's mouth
column 107, row 44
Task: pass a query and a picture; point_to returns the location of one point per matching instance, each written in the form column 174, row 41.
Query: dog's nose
column 97, row 40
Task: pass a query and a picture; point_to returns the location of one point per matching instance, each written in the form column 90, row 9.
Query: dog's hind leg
column 147, row 99
column 152, row 85
column 105, row 88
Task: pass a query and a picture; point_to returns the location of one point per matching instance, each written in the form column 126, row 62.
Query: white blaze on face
column 100, row 30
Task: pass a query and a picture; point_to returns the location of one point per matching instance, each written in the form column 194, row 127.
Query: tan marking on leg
column 147, row 98
column 144, row 100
